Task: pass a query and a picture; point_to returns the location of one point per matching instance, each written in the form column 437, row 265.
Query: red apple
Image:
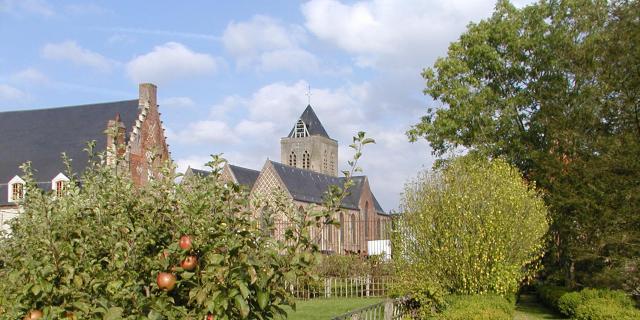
column 166, row 281
column 185, row 242
column 33, row 315
column 210, row 317
column 189, row 263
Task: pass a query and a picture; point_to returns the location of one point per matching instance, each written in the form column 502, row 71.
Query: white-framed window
column 59, row 184
column 16, row 189
column 301, row 130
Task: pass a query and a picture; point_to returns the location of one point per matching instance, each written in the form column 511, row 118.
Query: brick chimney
column 148, row 93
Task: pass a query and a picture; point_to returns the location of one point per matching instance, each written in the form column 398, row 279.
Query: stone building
column 308, row 167
column 131, row 129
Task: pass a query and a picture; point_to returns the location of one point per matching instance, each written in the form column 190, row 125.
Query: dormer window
column 300, row 130
column 16, row 189
column 59, row 184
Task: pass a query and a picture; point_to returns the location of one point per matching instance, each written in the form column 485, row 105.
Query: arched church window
column 301, row 130
column 366, row 220
column 306, row 160
column 292, row 159
column 354, row 236
column 324, row 161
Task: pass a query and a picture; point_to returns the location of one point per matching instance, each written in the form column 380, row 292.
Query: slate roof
column 246, row 177
column 200, row 173
column 314, row 126
column 309, row 186
column 40, row 136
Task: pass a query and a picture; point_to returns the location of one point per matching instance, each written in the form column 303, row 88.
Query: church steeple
column 308, row 146
column 310, row 123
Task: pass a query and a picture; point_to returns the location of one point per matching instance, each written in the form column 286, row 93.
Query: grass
column 529, row 308
column 327, row 308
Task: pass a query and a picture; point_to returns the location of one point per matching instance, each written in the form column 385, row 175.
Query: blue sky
column 232, row 76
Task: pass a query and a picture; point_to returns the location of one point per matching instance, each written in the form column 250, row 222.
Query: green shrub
column 604, row 309
column 550, row 294
column 478, row 307
column 463, row 226
column 344, row 266
column 569, row 303
column 589, row 303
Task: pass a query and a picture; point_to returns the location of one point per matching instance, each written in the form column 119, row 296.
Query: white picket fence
column 367, row 286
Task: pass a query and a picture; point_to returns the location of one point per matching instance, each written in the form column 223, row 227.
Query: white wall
column 7, row 214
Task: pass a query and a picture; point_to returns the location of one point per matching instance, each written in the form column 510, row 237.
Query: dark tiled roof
column 246, row 177
column 314, row 126
column 200, row 173
column 40, row 136
column 309, row 186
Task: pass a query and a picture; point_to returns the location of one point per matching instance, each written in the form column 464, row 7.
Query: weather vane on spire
column 308, row 94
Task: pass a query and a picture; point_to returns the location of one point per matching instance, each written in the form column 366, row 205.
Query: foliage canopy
column 553, row 88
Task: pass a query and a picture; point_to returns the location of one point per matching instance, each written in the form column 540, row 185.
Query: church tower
column 308, row 146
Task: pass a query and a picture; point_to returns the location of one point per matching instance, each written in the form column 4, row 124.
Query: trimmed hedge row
column 589, row 304
column 477, row 307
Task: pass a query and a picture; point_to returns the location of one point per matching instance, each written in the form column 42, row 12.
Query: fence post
column 388, row 309
column 367, row 285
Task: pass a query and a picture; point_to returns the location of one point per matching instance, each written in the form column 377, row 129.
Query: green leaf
column 113, row 313
column 242, row 306
column 263, row 299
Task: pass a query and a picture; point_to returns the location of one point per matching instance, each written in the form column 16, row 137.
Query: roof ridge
column 67, row 107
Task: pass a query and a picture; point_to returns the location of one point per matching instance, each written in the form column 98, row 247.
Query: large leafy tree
column 554, row 88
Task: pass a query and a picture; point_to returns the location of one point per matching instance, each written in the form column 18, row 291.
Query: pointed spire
column 312, row 123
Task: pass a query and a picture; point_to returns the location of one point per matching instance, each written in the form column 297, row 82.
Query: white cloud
column 169, row 62
column 177, row 102
column 204, row 132
column 268, row 45
column 71, row 51
column 294, row 60
column 393, row 33
column 196, row 162
column 9, row 93
column 16, row 7
column 30, row 75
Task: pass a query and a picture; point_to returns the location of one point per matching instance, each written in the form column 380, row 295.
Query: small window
column 17, row 191
column 60, row 186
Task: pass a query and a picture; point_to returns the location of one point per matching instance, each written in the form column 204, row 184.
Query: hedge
column 589, row 304
column 478, row 307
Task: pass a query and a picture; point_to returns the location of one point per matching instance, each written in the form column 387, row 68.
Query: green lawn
column 529, row 308
column 326, row 308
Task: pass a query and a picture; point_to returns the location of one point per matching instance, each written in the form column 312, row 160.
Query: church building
column 130, row 129
column 308, row 167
